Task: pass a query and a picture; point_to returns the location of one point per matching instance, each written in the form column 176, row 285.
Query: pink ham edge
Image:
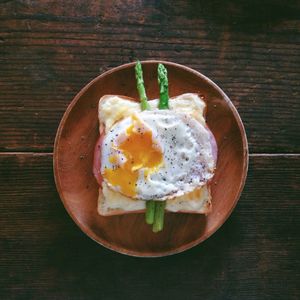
column 214, row 148
column 213, row 145
column 97, row 160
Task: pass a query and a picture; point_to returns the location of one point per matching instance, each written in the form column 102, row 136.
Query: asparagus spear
column 140, row 86
column 158, row 224
column 163, row 104
column 150, row 211
column 163, row 87
column 150, row 204
column 154, row 209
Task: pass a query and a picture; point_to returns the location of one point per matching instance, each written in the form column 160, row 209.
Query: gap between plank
column 273, row 154
column 27, row 153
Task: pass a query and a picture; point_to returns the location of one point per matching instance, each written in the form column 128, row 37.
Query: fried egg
column 157, row 154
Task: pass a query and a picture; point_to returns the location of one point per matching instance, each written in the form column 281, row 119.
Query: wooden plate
column 128, row 234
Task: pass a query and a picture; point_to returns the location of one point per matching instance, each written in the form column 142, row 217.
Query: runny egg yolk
column 140, row 152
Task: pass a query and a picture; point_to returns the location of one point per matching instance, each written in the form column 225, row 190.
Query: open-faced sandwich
column 154, row 155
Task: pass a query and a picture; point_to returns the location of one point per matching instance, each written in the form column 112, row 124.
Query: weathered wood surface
column 50, row 49
column 45, row 256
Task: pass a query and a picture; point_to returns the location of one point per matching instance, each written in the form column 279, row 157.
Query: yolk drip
column 140, row 152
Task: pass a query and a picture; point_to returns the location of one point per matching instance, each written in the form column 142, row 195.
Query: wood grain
column 49, row 51
column 45, row 256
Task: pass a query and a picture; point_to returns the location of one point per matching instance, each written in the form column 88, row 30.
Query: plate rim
column 184, row 247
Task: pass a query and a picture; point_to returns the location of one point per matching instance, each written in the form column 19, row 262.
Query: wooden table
column 50, row 49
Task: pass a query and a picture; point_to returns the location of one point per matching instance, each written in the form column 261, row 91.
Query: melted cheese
column 114, row 108
column 110, row 202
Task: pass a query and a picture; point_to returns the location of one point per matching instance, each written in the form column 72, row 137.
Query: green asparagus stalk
column 154, row 209
column 150, row 204
column 140, row 86
column 150, row 211
column 163, row 87
column 158, row 224
column 162, row 73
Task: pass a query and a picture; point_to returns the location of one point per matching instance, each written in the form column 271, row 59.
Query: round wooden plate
column 128, row 234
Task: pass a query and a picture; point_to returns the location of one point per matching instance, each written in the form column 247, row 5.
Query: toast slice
column 113, row 203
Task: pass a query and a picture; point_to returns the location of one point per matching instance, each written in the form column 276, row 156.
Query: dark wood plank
column 45, row 256
column 49, row 50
